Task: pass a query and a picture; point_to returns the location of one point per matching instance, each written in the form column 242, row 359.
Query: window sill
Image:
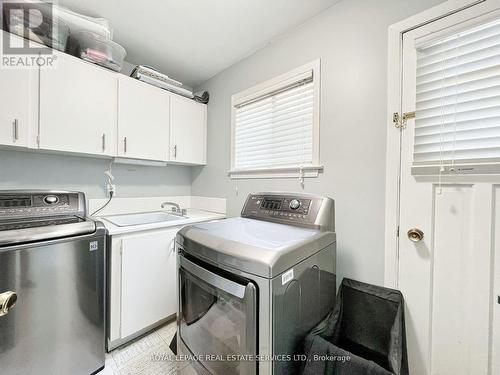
column 278, row 172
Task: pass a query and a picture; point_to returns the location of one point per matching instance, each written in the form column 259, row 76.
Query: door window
column 457, row 127
column 214, row 322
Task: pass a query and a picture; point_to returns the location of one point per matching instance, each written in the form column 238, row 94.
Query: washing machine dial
column 294, row 204
column 51, row 199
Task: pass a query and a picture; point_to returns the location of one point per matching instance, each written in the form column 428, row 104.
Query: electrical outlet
column 110, row 188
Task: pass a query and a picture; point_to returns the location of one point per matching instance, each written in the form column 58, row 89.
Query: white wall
column 351, row 40
column 26, row 170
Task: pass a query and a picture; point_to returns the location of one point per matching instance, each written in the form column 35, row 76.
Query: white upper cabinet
column 78, row 107
column 17, row 106
column 143, row 120
column 188, row 131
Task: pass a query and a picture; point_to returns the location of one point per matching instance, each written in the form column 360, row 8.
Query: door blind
column 276, row 128
column 458, row 99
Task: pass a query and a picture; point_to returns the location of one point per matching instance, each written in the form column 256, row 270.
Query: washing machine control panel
column 290, row 209
column 18, row 203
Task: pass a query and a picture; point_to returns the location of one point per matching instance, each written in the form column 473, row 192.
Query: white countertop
column 193, row 216
column 199, row 209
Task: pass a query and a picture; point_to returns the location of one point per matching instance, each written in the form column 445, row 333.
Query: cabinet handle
column 16, row 129
column 125, row 145
column 175, row 151
column 103, row 142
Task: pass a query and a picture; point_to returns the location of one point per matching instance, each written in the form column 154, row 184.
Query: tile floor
column 146, row 356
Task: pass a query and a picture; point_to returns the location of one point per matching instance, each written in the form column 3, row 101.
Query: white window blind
column 458, row 99
column 275, row 129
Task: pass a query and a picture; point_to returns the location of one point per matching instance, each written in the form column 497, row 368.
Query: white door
column 450, row 153
column 78, row 107
column 18, row 104
column 188, row 131
column 143, row 120
column 148, row 288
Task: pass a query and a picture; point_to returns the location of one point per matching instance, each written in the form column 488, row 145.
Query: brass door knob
column 7, row 301
column 415, row 235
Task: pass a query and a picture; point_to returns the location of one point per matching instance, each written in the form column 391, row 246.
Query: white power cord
column 110, row 188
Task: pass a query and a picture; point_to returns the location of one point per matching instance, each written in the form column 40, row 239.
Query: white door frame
column 393, row 152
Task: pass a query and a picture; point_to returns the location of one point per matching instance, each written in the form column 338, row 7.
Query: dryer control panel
column 296, row 209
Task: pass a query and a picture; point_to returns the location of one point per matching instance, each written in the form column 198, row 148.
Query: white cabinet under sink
column 143, row 120
column 188, row 131
column 143, row 283
column 148, row 280
column 78, row 102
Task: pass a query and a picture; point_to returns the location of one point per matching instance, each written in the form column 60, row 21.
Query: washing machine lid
column 257, row 247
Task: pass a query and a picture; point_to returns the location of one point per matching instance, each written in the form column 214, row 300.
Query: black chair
column 363, row 335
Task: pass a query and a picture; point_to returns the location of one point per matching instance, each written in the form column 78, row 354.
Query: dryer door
column 217, row 319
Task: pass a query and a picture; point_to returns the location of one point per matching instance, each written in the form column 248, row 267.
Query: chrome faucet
column 176, row 209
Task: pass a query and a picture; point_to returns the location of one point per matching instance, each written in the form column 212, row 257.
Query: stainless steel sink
column 125, row 220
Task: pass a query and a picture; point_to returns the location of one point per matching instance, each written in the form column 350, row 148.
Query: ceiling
column 192, row 40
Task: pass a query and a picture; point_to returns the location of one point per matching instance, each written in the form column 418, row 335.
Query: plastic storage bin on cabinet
column 78, row 22
column 40, row 27
column 98, row 50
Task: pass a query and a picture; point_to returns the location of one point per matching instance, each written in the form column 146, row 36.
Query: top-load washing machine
column 252, row 287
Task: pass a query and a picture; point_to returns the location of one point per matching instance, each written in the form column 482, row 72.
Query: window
column 457, row 127
column 275, row 127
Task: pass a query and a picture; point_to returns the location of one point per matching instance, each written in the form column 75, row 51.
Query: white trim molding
column 278, row 172
column 267, row 87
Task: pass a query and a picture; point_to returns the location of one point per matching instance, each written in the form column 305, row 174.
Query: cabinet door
column 18, row 104
column 148, row 292
column 143, row 120
column 78, row 107
column 188, row 128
